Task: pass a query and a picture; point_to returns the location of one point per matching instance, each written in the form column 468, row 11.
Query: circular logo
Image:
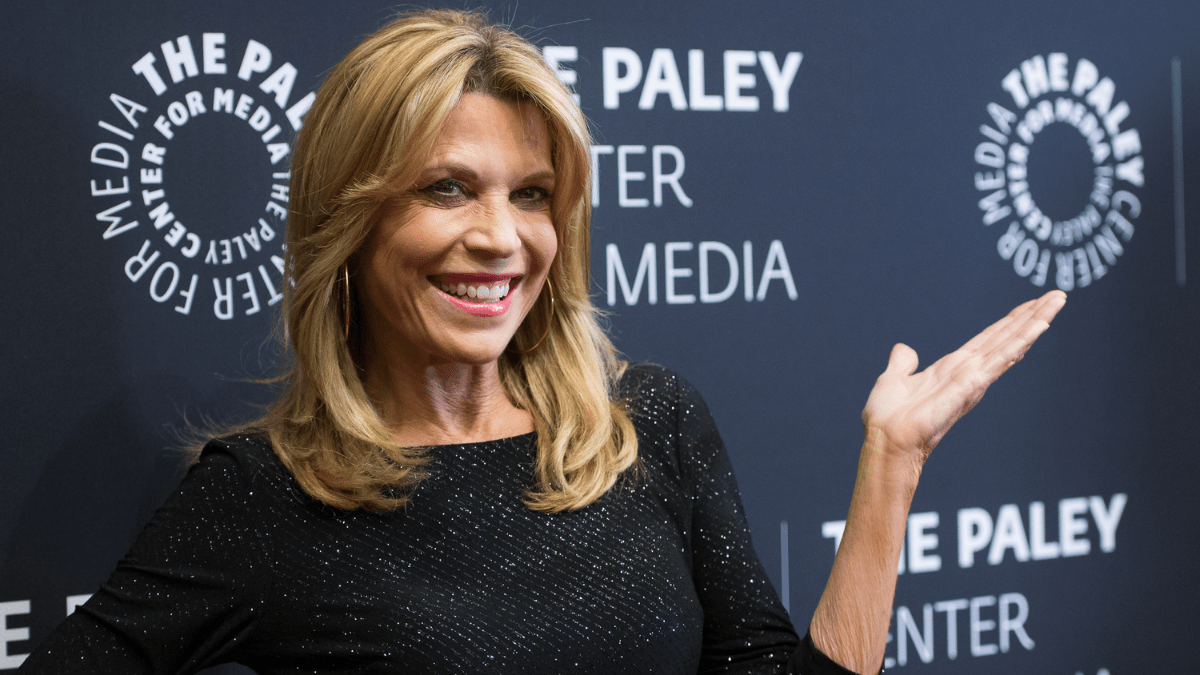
column 192, row 178
column 1079, row 228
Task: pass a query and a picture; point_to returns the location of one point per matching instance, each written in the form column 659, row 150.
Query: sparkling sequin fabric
column 658, row 576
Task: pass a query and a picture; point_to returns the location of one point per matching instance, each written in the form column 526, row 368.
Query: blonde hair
column 364, row 139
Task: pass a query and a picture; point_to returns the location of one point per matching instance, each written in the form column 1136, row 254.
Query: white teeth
column 480, row 292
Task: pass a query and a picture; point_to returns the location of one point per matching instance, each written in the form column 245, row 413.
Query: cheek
column 545, row 245
column 404, row 250
column 391, row 273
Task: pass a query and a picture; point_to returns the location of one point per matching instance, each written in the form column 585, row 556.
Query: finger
column 1014, row 349
column 978, row 348
column 1020, row 335
column 903, row 360
column 1006, row 353
column 1052, row 304
column 1018, row 323
column 1017, row 314
column 987, row 356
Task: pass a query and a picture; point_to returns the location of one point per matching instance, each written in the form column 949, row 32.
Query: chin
column 471, row 355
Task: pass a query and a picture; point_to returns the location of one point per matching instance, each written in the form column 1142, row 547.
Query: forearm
column 916, row 409
column 851, row 621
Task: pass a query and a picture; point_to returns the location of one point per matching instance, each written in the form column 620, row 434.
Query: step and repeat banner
column 781, row 191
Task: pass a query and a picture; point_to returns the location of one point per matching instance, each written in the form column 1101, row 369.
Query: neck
column 432, row 403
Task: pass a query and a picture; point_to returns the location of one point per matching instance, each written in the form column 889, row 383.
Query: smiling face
column 455, row 263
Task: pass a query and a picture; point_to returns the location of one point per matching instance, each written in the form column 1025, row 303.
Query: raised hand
column 911, row 411
column 906, row 415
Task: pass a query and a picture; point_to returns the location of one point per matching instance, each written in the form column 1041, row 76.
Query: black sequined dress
column 658, row 576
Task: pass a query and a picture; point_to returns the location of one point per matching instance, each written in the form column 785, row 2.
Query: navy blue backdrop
column 783, row 190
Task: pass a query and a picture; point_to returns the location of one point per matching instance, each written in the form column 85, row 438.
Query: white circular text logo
column 1051, row 94
column 192, row 182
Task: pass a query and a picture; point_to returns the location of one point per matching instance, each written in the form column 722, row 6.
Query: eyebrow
column 540, row 175
column 460, row 170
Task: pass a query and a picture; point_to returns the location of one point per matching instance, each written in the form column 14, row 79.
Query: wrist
column 888, row 463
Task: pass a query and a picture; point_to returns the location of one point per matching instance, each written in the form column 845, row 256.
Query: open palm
column 914, row 410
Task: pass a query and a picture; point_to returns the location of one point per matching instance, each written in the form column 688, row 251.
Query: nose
column 495, row 229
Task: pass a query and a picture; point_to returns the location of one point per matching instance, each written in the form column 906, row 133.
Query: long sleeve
column 745, row 627
column 659, row 575
column 187, row 591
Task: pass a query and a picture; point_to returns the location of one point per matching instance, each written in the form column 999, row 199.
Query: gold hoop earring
column 346, row 301
column 548, row 322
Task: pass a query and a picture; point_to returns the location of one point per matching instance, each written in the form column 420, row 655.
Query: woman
column 460, row 475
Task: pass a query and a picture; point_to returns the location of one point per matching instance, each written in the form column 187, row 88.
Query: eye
column 531, row 197
column 445, row 191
